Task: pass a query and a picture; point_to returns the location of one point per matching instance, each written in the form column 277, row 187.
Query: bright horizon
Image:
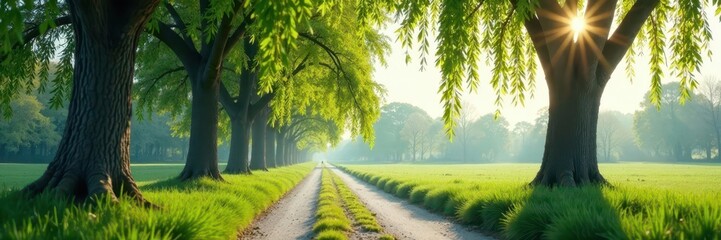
column 406, row 83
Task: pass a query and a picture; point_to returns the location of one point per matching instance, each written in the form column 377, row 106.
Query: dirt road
column 293, row 216
column 404, row 220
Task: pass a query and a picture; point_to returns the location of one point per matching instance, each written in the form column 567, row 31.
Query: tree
column 415, row 133
column 393, row 117
column 710, row 109
column 463, row 123
column 93, row 155
column 533, row 140
column 577, row 61
column 608, row 135
column 489, row 137
column 671, row 131
column 435, row 138
column 264, row 62
column 28, row 127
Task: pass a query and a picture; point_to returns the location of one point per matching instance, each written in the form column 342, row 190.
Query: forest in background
column 675, row 132
column 32, row 134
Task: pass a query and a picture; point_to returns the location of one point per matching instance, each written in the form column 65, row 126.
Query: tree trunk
column 202, row 160
column 281, row 150
column 569, row 157
column 718, row 144
column 239, row 112
column 239, row 147
column 257, row 156
column 270, row 147
column 93, row 157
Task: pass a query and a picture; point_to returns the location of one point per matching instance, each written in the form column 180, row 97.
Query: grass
column 336, row 203
column 648, row 201
column 331, row 221
column 201, row 209
column 361, row 215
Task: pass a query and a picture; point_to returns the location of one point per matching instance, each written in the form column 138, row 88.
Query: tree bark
column 270, row 148
column 257, row 156
column 239, row 147
column 202, row 160
column 241, row 114
column 93, row 157
column 569, row 158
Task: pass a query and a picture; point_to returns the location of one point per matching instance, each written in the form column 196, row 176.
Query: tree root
column 82, row 188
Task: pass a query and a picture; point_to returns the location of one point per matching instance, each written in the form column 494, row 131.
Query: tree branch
column 217, row 53
column 302, row 65
column 182, row 27
column 617, row 46
column 599, row 17
column 155, row 80
column 533, row 27
column 478, row 7
column 554, row 31
column 227, row 101
column 34, row 32
column 238, row 33
column 337, row 62
column 189, row 57
column 262, row 102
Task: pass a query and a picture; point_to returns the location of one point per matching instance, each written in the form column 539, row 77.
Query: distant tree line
column 33, row 133
column 678, row 131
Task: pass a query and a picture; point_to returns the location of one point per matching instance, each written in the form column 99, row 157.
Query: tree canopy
column 511, row 35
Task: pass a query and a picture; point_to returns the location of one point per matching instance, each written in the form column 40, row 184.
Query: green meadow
column 17, row 175
column 644, row 201
column 199, row 209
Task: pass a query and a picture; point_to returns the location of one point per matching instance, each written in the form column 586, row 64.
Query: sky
column 406, row 83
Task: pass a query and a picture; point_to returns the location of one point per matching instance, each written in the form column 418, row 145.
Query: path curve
column 402, row 219
column 293, row 216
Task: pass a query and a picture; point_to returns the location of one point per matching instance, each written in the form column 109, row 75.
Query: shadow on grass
column 562, row 213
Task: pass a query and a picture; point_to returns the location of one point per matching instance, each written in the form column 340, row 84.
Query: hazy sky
column 406, row 83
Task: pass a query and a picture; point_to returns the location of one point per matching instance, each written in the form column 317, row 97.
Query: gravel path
column 402, row 219
column 293, row 216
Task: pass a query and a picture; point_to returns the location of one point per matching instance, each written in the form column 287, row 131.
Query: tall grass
column 496, row 198
column 200, row 209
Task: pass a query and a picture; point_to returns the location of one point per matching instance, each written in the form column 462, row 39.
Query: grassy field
column 14, row 175
column 201, row 209
column 647, row 201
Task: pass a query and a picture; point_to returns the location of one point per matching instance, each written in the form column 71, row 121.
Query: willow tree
column 93, row 155
column 203, row 35
column 334, row 60
column 578, row 45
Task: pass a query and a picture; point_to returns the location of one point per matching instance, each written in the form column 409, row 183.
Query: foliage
column 184, row 212
column 496, row 32
column 672, row 132
column 336, row 78
column 27, row 127
column 32, row 34
column 639, row 206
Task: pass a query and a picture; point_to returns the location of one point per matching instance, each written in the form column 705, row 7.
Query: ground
column 491, row 200
column 644, row 200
